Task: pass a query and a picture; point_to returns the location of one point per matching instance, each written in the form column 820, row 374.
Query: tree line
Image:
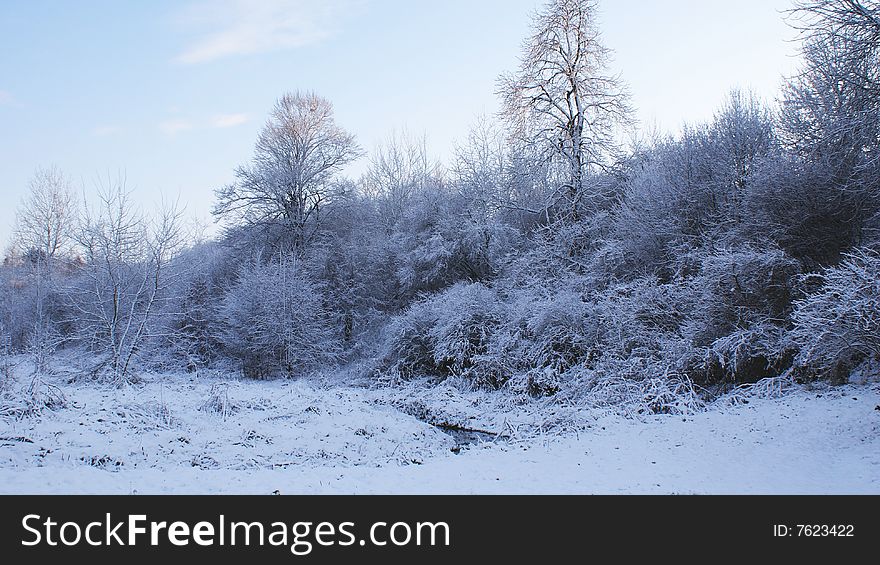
column 548, row 257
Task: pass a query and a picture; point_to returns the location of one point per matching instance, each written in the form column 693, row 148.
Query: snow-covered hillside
column 208, row 434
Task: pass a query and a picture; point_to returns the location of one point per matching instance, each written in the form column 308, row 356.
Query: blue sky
column 174, row 93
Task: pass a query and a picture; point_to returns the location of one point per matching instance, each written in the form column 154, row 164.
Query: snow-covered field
column 206, row 434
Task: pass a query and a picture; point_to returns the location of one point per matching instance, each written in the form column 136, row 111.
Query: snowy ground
column 203, row 434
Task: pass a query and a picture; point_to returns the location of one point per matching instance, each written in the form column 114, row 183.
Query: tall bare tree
column 481, row 167
column 562, row 98
column 125, row 276
column 855, row 22
column 831, row 121
column 43, row 230
column 399, row 168
column 44, row 223
column 832, row 108
column 298, row 153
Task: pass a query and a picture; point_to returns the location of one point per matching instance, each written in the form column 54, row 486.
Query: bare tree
column 743, row 132
column 298, row 153
column 399, row 168
column 562, row 97
column 126, row 258
column 737, row 142
column 481, row 167
column 832, row 108
column 45, row 221
column 43, row 230
column 831, row 122
column 853, row 22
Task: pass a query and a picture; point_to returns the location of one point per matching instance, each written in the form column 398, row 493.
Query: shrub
column 407, row 350
column 446, row 335
column 466, row 317
column 541, row 338
column 743, row 299
column 838, row 326
column 274, row 320
column 748, row 355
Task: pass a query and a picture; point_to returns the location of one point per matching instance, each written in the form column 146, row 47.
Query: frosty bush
column 771, row 387
column 437, row 245
column 407, row 350
column 838, row 326
column 749, row 354
column 559, row 343
column 563, row 332
column 669, row 394
column 635, row 393
column 628, row 346
column 542, row 338
column 743, row 304
column 640, row 316
column 466, row 317
column 746, row 283
column 188, row 322
column 445, row 336
column 275, row 321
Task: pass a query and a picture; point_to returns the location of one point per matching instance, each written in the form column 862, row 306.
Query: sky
column 173, row 93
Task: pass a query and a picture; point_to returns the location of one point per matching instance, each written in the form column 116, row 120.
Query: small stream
column 465, row 436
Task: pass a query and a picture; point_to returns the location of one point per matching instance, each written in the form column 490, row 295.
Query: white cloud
column 241, row 27
column 172, row 127
column 228, row 120
column 5, row 97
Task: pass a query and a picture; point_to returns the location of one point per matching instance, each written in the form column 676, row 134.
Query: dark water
column 464, row 437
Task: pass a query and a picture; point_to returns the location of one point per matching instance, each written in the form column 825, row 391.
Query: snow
column 170, row 435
